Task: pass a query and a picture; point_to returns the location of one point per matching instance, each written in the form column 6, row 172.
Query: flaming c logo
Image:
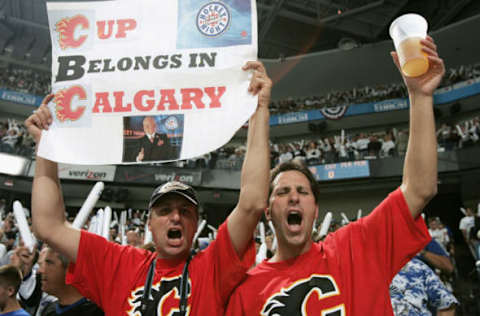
column 63, row 100
column 305, row 297
column 166, row 299
column 66, row 28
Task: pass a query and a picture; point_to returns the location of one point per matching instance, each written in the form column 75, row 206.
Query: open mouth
column 294, row 218
column 174, row 233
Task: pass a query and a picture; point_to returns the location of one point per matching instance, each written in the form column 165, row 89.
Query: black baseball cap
column 173, row 187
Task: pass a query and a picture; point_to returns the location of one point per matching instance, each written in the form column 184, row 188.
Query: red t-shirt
column 347, row 274
column 113, row 276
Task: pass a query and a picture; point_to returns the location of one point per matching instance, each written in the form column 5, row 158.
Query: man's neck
column 68, row 295
column 285, row 251
column 11, row 306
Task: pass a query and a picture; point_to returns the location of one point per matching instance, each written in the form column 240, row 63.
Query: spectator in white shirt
column 388, row 146
column 285, row 154
column 313, row 153
column 467, row 223
column 362, row 145
column 438, row 232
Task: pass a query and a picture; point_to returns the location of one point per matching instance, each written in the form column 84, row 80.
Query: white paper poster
column 147, row 80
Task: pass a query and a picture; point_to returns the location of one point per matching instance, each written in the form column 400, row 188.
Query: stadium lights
column 12, row 165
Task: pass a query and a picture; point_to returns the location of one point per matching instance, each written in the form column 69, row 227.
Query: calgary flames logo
column 66, row 28
column 305, row 297
column 63, row 101
column 166, row 299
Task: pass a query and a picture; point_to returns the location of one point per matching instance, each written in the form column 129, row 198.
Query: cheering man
column 350, row 271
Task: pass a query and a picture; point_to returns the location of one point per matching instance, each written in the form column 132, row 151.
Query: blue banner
column 343, row 170
column 19, row 97
column 445, row 95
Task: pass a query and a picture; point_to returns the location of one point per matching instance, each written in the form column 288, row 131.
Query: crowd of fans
column 14, row 139
column 338, row 148
column 25, row 80
column 365, row 145
column 373, row 145
column 367, row 94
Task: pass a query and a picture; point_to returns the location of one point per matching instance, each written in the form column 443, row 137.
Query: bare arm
column 256, row 165
column 48, row 209
column 439, row 262
column 447, row 312
column 419, row 183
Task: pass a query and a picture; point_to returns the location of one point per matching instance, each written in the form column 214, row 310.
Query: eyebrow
column 294, row 187
column 171, row 204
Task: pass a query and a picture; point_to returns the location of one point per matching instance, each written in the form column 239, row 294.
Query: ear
column 11, row 291
column 149, row 223
column 316, row 212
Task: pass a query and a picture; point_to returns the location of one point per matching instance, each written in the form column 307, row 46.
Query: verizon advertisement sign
column 157, row 175
column 81, row 172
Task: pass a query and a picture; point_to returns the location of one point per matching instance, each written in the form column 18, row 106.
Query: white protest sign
column 147, row 80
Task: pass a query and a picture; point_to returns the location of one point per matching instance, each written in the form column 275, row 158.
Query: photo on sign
column 203, row 24
column 152, row 138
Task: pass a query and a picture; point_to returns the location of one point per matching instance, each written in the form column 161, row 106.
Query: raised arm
column 48, row 209
column 419, row 183
column 256, row 165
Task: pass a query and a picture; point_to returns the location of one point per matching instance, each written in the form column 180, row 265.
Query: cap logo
column 170, row 186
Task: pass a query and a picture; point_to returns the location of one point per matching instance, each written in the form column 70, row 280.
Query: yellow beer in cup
column 407, row 31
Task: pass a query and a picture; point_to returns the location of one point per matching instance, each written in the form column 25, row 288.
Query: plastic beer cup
column 407, row 31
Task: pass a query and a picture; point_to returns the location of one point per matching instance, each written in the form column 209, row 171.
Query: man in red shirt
column 124, row 280
column 349, row 273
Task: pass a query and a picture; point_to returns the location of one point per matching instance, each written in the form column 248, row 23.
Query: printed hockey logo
column 171, row 123
column 67, row 27
column 305, row 297
column 63, row 101
column 213, row 19
column 166, row 299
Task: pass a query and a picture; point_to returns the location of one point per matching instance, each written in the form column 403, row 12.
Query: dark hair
column 295, row 166
column 63, row 259
column 10, row 276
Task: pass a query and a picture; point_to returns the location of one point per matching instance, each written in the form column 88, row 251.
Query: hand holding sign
column 40, row 119
column 260, row 84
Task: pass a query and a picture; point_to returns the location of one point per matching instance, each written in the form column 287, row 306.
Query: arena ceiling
column 286, row 28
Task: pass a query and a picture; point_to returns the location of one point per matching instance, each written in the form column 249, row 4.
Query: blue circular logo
column 213, row 19
column 171, row 123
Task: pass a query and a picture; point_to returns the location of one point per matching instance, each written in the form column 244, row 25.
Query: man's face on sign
column 149, row 125
column 173, row 223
